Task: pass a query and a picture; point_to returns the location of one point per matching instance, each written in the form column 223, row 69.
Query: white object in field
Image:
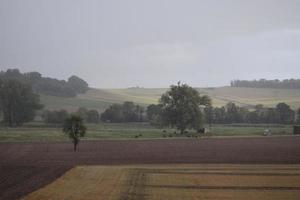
column 267, row 132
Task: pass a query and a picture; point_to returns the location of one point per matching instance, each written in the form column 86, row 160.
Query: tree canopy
column 74, row 128
column 232, row 113
column 46, row 85
column 78, row 84
column 55, row 116
column 298, row 116
column 154, row 114
column 18, row 103
column 59, row 116
column 181, row 107
column 126, row 112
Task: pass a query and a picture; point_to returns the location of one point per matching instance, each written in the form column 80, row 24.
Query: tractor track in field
column 135, row 186
column 254, row 188
column 25, row 167
column 228, row 173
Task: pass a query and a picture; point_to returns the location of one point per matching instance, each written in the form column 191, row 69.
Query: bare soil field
column 16, row 180
column 27, row 166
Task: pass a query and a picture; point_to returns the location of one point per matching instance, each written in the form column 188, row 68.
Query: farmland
column 155, row 182
column 102, row 98
column 149, row 100
column 34, row 132
column 27, row 166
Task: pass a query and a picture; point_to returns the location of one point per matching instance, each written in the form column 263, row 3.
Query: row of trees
column 263, row 83
column 19, row 103
column 45, row 85
column 231, row 113
column 59, row 116
column 181, row 107
column 126, row 112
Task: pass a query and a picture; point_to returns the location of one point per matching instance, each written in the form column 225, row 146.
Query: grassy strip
column 41, row 132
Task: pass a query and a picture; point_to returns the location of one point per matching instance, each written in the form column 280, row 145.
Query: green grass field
column 176, row 182
column 101, row 98
column 42, row 132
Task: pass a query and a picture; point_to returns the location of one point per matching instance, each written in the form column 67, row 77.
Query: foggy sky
column 152, row 43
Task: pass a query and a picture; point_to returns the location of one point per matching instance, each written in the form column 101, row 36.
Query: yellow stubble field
column 175, row 182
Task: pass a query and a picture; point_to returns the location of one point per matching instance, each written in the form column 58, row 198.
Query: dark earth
column 25, row 167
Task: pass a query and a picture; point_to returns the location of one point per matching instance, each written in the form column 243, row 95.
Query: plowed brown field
column 24, row 167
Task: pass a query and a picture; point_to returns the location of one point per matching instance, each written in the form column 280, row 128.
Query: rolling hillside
column 102, row 98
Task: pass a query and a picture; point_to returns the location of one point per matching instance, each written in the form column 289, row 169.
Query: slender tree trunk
column 75, row 145
column 181, row 131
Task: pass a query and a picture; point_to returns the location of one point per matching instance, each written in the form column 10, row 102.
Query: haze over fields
column 119, row 44
column 149, row 99
column 247, row 97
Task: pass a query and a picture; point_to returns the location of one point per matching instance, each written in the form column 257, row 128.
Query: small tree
column 286, row 114
column 75, row 129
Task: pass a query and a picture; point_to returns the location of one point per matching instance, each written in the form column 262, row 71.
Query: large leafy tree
column 154, row 114
column 233, row 114
column 113, row 114
column 78, row 84
column 93, row 116
column 181, row 107
column 74, row 128
column 286, row 114
column 18, row 103
column 209, row 114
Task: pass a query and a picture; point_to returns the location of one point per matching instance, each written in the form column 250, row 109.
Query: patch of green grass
column 41, row 132
column 31, row 134
column 223, row 130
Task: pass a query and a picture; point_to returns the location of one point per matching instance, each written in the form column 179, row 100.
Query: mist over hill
column 49, row 86
column 263, row 83
column 74, row 93
column 100, row 99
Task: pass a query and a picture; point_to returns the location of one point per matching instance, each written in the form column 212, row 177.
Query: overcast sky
column 152, row 43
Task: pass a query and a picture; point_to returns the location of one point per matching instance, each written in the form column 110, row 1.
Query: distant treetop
column 263, row 83
column 46, row 85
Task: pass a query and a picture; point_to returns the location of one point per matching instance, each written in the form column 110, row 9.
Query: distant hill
column 102, row 98
column 60, row 94
column 46, row 85
column 253, row 96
